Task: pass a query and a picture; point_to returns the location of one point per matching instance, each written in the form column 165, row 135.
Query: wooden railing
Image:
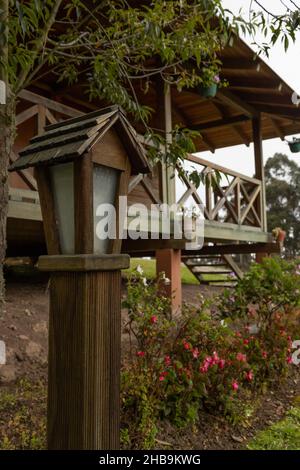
column 224, row 195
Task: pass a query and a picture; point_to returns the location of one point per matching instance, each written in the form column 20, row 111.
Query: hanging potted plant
column 294, row 145
column 210, row 82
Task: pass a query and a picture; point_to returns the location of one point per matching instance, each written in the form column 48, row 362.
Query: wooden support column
column 260, row 174
column 163, row 122
column 259, row 167
column 84, row 351
column 168, row 260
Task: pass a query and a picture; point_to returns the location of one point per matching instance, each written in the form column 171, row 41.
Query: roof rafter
column 235, row 127
column 234, row 100
column 181, row 114
column 244, row 64
column 254, row 83
column 211, row 125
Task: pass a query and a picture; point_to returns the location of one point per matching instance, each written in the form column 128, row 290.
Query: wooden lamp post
column 79, row 164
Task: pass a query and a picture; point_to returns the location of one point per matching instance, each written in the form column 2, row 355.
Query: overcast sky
column 240, row 158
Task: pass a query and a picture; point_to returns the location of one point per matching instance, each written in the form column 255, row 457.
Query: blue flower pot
column 294, row 146
column 208, row 91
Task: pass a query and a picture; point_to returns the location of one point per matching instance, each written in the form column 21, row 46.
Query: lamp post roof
column 67, row 140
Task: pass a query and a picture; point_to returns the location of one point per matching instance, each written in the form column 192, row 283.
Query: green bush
column 269, row 288
column 174, row 369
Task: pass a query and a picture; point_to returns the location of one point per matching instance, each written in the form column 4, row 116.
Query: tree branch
column 39, row 45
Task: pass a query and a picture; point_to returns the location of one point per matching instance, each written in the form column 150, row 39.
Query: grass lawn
column 149, row 267
column 284, row 435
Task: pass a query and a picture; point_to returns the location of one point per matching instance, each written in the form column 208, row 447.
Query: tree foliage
column 277, row 21
column 283, row 195
column 109, row 45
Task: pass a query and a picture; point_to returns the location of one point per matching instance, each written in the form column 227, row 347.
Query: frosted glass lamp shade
column 105, row 183
column 62, row 179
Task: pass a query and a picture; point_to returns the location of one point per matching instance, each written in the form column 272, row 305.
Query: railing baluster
column 208, row 193
column 241, row 198
column 237, row 194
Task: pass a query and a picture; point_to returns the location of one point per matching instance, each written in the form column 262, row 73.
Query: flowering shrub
column 174, row 369
column 268, row 288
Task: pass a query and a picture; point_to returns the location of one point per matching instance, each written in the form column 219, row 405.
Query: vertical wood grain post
column 259, row 168
column 84, row 351
column 169, row 262
column 260, row 174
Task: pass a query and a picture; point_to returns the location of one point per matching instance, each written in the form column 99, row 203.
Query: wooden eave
column 253, row 89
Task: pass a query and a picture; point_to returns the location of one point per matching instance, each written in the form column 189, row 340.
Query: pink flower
column 153, row 319
column 167, row 361
column 140, row 353
column 163, row 376
column 186, row 345
column 289, row 360
column 249, row 376
column 204, row 369
column 217, row 79
column 246, row 341
column 196, row 353
column 215, row 358
column 235, row 386
column 222, row 363
column 241, row 357
column 264, row 354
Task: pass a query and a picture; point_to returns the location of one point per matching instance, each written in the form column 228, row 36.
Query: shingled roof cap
column 67, row 140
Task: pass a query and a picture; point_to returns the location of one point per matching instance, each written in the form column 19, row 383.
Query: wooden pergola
column 256, row 105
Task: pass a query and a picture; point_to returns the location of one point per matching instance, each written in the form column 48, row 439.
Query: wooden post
column 259, row 167
column 260, row 174
column 84, row 351
column 168, row 260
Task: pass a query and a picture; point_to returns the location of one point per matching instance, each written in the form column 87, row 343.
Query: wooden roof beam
column 280, row 111
column 267, row 98
column 235, row 127
column 212, row 125
column 233, row 100
column 241, row 64
column 181, row 115
column 208, row 143
column 240, row 132
column 254, row 83
column 277, row 128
